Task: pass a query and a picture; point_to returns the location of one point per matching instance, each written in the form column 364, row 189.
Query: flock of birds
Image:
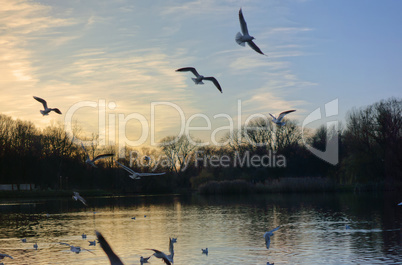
column 241, row 38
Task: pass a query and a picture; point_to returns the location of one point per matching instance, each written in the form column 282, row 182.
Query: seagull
column 268, row 235
column 205, row 251
column 199, row 78
column 84, row 236
column 137, row 175
column 92, row 243
column 92, row 162
column 75, row 249
column 133, row 218
column 77, row 197
column 2, row 256
column 46, row 110
column 144, row 260
column 400, row 204
column 24, row 240
column 35, row 246
column 242, row 39
column 278, row 120
column 161, row 255
column 114, row 259
column 174, row 239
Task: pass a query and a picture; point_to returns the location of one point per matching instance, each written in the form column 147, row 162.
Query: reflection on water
column 313, row 229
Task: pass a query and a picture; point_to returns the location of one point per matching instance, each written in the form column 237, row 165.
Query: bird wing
column 272, row 116
column 62, row 243
column 90, row 251
column 83, row 200
column 5, row 256
column 186, row 69
column 216, row 83
column 129, row 170
column 282, row 114
column 102, row 156
column 171, row 250
column 243, row 23
column 85, row 150
column 114, row 259
column 267, row 239
column 41, row 100
column 56, row 110
column 151, row 174
column 273, row 230
column 254, row 47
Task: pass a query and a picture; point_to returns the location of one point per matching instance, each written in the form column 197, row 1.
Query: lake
column 313, row 229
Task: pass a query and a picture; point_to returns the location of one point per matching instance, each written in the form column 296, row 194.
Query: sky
column 109, row 66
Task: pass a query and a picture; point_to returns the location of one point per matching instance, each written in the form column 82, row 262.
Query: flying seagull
column 46, row 110
column 92, row 162
column 137, row 175
column 2, row 256
column 75, row 249
column 161, row 255
column 278, row 120
column 268, row 235
column 114, row 259
column 199, row 78
column 242, row 39
column 77, row 197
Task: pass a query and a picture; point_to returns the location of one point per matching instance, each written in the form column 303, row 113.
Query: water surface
column 313, row 229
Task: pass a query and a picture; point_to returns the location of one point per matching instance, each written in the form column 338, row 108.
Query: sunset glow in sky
column 123, row 54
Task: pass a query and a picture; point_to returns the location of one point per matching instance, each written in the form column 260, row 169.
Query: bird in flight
column 92, row 162
column 163, row 256
column 113, row 258
column 46, row 109
column 137, row 175
column 241, row 39
column 75, row 249
column 77, row 197
column 278, row 120
column 144, row 260
column 267, row 236
column 199, row 78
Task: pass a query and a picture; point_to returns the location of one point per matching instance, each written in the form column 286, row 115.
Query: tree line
column 370, row 151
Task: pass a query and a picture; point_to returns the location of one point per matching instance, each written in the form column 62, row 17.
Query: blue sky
column 125, row 53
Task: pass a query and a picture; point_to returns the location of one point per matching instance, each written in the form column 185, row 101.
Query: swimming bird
column 113, row 258
column 35, row 246
column 199, row 78
column 2, row 256
column 278, row 120
column 242, row 39
column 268, row 235
column 137, row 175
column 144, row 260
column 24, row 240
column 174, row 239
column 92, row 243
column 84, row 236
column 205, row 251
column 46, row 109
column 75, row 249
column 92, row 162
column 161, row 255
column 77, row 197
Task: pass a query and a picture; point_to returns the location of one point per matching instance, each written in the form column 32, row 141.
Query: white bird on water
column 77, row 197
column 35, row 246
column 267, row 236
column 242, row 39
column 278, row 120
column 113, row 258
column 137, row 175
column 92, row 162
column 46, row 109
column 205, row 251
column 199, row 78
